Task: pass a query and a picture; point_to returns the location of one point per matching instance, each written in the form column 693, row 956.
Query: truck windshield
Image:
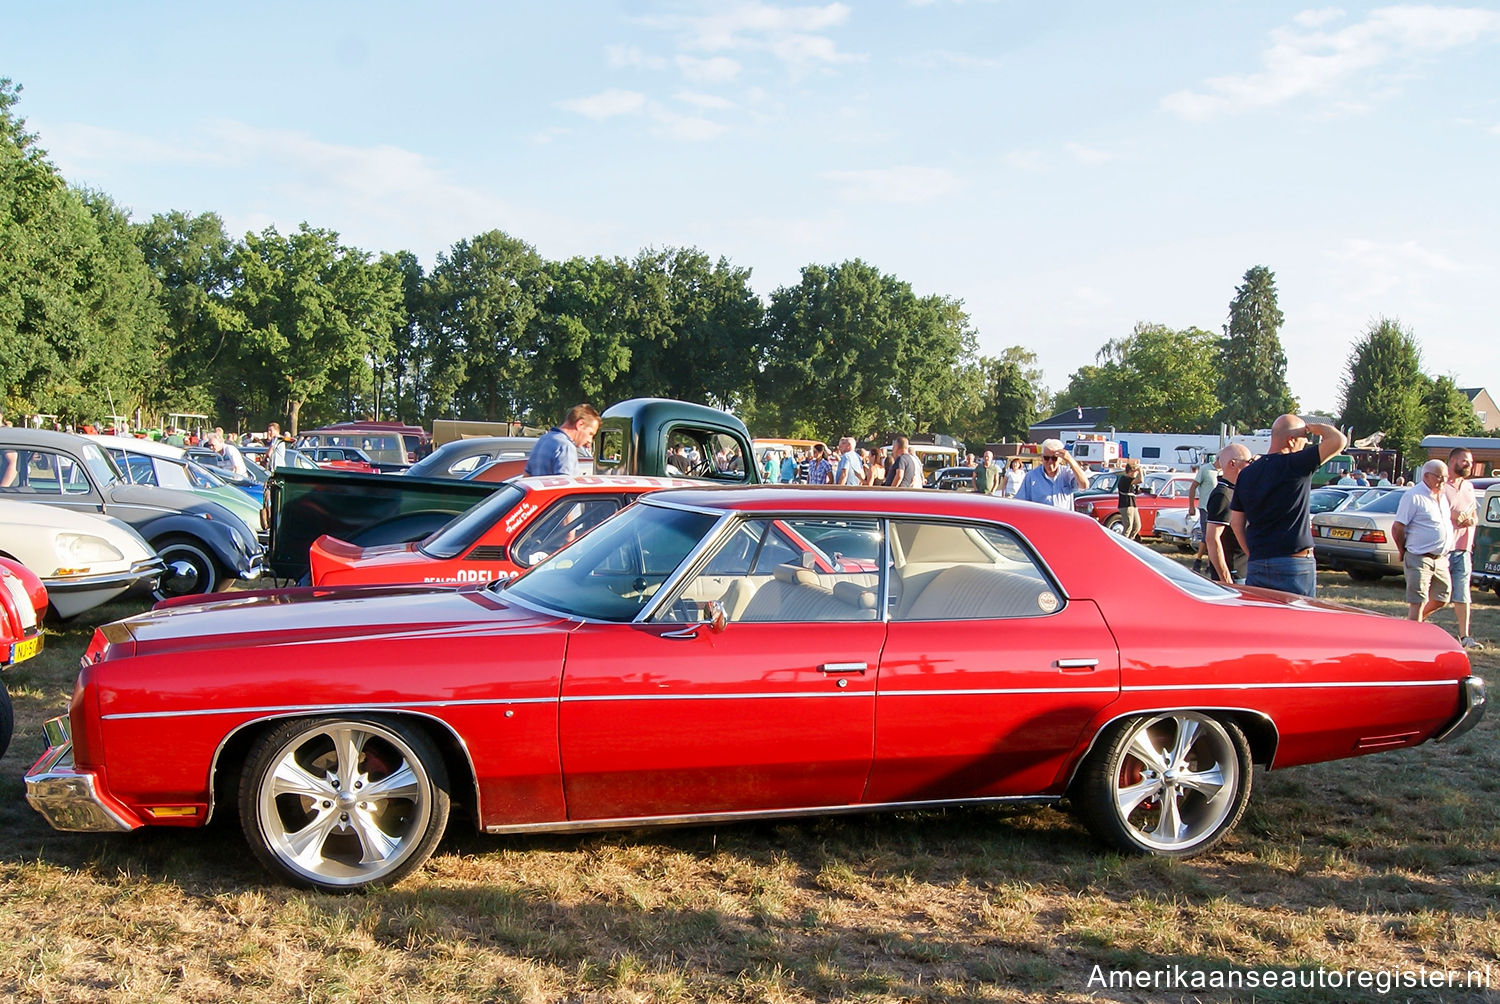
column 464, row 529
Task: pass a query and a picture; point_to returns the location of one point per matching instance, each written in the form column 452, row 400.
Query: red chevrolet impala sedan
column 522, row 523
column 709, row 655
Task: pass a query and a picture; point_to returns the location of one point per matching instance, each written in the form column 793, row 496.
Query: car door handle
column 1076, row 663
column 843, row 667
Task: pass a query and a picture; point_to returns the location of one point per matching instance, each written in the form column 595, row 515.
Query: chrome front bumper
column 69, row 798
column 1473, row 710
column 147, row 569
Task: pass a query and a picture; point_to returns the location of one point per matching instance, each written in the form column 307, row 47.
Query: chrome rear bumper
column 1473, row 710
column 66, row 797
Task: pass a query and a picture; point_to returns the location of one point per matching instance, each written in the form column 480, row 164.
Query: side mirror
column 718, row 617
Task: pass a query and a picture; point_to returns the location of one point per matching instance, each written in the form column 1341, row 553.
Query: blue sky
column 1064, row 169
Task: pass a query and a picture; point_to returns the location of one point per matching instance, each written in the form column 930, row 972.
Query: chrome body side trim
column 701, row 819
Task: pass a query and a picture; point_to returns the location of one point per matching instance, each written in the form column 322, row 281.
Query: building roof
column 1073, row 418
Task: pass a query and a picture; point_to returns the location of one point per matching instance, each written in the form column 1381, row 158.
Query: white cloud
column 1089, row 155
column 715, row 70
column 1025, row 160
column 795, row 35
column 699, row 100
column 1307, row 61
column 606, row 104
column 1318, row 18
column 80, row 149
column 935, row 59
column 628, row 57
column 907, row 185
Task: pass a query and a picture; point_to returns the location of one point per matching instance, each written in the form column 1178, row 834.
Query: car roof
column 13, row 435
column 599, row 483
column 855, row 500
column 129, row 444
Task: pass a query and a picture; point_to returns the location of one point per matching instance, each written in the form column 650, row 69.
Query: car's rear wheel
column 343, row 803
column 1170, row 784
column 191, row 568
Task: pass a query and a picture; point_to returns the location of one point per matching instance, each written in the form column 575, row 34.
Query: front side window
column 614, row 572
column 955, row 571
column 42, row 472
column 773, row 569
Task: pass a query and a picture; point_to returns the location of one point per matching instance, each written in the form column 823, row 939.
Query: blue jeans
column 1290, row 575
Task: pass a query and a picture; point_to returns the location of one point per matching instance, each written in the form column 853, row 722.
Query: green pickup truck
column 639, row 436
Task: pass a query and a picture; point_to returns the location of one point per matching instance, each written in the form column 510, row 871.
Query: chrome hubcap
column 1176, row 780
column 345, row 803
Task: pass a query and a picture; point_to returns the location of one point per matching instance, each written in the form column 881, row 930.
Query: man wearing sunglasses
column 1055, row 479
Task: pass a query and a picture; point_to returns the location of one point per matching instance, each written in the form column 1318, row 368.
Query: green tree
column 478, row 309
column 310, row 307
column 1252, row 366
column 849, row 350
column 191, row 259
column 1447, row 411
column 1383, row 387
column 1154, row 380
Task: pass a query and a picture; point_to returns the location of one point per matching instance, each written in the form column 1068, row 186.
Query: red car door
column 774, row 712
column 988, row 674
column 762, row 716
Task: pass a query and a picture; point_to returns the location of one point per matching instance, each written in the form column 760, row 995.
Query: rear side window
column 951, row 571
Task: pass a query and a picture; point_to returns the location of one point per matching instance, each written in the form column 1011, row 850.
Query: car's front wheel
column 1171, row 784
column 191, row 568
column 1115, row 524
column 343, row 803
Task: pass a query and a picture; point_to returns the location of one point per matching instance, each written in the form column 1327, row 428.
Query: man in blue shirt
column 557, row 451
column 1050, row 482
column 1271, row 511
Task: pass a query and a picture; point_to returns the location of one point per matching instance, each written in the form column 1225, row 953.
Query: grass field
column 1387, row 863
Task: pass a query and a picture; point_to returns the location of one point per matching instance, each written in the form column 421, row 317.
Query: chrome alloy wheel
column 1176, row 780
column 1169, row 783
column 341, row 804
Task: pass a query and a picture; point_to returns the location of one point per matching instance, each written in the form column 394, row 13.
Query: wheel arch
column 230, row 755
column 1260, row 732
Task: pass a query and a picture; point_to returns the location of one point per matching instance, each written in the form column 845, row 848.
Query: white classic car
column 82, row 558
column 1181, row 529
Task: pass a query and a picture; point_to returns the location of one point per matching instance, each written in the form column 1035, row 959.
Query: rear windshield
column 467, row 527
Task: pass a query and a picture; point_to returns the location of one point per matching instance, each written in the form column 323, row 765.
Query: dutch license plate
column 25, row 649
column 1341, row 532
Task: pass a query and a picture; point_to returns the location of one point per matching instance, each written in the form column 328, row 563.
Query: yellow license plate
column 25, row 649
column 1341, row 532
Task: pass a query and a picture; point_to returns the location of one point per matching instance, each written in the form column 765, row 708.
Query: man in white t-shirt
column 1423, row 533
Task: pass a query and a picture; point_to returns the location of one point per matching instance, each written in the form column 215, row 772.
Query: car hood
column 312, row 613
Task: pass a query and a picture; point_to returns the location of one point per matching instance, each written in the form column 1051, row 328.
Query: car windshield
column 1383, row 502
column 460, row 533
column 612, row 572
column 100, row 466
column 1178, row 574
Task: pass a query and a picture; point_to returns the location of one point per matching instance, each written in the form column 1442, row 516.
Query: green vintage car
column 1487, row 541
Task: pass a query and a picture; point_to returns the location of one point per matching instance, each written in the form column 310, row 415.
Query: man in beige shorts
column 1423, row 533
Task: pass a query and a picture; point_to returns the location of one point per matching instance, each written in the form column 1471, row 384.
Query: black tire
column 1363, row 575
column 1179, row 802
column 309, row 822
column 207, row 574
column 7, row 719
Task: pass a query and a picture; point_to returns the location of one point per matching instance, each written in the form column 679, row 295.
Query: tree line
column 100, row 315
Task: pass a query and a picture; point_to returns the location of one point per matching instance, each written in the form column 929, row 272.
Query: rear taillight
column 1373, row 537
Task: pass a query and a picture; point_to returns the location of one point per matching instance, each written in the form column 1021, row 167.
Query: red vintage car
column 688, row 661
column 524, row 521
column 1160, row 490
column 23, row 604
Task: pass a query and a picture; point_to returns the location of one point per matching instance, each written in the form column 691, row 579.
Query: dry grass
column 1387, row 862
